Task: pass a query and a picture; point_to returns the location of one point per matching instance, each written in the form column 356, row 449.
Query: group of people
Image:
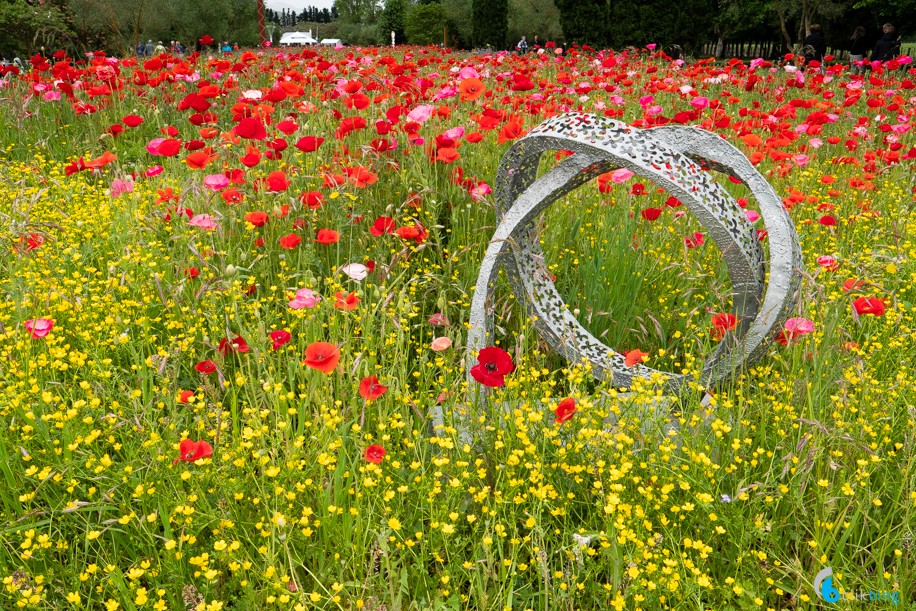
column 885, row 49
column 175, row 47
column 149, row 49
column 522, row 47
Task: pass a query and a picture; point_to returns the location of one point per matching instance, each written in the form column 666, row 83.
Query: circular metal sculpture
column 669, row 157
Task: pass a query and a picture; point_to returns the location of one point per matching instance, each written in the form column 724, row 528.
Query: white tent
column 297, row 38
column 331, row 42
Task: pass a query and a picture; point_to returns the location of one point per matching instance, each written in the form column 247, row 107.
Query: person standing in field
column 522, row 46
column 858, row 49
column 815, row 44
column 888, row 46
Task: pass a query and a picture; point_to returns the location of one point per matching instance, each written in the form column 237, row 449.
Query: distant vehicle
column 290, row 39
column 331, row 42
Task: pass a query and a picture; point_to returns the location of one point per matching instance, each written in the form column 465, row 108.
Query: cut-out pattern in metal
column 667, row 156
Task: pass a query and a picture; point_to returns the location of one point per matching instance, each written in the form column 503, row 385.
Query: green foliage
column 24, row 28
column 358, row 11
column 534, row 17
column 392, row 20
column 360, row 34
column 232, row 20
column 491, row 22
column 902, row 13
column 600, row 23
column 424, row 23
column 460, row 23
column 585, row 21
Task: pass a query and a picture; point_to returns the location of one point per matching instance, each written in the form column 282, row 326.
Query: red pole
column 261, row 33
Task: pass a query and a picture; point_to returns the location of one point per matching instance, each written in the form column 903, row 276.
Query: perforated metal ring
column 667, row 157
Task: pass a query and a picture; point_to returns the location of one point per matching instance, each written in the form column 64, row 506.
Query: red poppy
column 493, row 363
column 360, row 176
column 309, row 144
column 413, row 232
column 251, row 158
column 191, row 451
column 374, row 454
column 257, row 218
column 511, row 131
column 312, row 199
column 198, row 160
column 251, row 129
column 651, row 214
column 276, row 181
column 322, row 356
column 565, row 410
column 470, row 89
column 101, row 161
column 287, row 127
column 350, row 301
column 191, row 272
column 634, row 357
column 350, row 124
column 382, row 225
column 237, row 344
column 205, row 367
column 280, row 338
column 370, row 389
column 852, row 284
column 290, row 241
column 327, row 236
column 697, row 239
column 29, row 242
column 722, row 323
column 185, row 396
column 447, row 155
column 232, row 196
column 869, row 305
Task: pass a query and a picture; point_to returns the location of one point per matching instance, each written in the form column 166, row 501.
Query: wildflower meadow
column 235, row 288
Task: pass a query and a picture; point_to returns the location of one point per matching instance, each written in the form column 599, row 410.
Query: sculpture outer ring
column 599, row 145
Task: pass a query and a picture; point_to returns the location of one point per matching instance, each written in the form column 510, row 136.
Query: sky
column 297, row 5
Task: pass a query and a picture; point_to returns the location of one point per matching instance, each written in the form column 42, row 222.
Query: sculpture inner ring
column 665, row 156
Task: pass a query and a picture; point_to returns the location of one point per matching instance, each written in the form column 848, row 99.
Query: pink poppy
column 421, row 113
column 39, row 327
column 621, row 175
column 305, row 298
column 119, row 186
column 204, row 221
column 216, row 182
column 441, row 343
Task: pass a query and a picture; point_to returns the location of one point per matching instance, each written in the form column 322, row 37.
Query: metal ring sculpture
column 667, row 156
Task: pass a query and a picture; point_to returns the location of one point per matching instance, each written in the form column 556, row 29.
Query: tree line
column 686, row 25
column 117, row 26
column 310, row 14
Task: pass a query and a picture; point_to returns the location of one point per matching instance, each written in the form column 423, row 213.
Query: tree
column 392, row 20
column 586, row 21
column 491, row 21
column 357, row 11
column 424, row 24
column 25, row 28
column 460, row 23
column 534, row 17
column 735, row 17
